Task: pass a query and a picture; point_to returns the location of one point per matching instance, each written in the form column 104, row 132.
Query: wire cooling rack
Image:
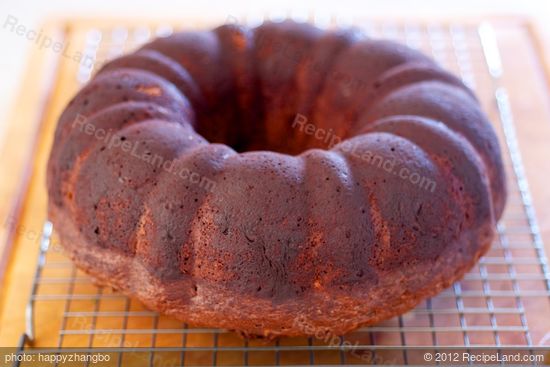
column 499, row 305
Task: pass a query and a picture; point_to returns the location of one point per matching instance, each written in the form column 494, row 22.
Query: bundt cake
column 279, row 180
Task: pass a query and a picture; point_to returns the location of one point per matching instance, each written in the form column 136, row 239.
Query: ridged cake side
column 320, row 236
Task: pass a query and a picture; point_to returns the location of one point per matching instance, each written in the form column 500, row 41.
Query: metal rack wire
column 494, row 306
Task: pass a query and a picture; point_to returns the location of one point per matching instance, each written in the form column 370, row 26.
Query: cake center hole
column 283, row 132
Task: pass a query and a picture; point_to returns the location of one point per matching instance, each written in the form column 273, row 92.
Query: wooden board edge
column 37, row 86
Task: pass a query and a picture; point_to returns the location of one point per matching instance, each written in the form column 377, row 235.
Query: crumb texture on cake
column 184, row 174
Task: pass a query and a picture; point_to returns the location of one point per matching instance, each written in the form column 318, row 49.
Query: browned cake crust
column 252, row 179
